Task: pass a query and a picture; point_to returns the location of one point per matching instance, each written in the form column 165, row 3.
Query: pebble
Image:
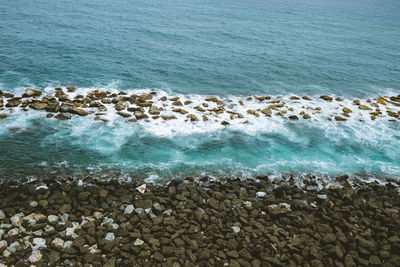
column 3, row 244
column 52, row 219
column 235, row 229
column 16, row 220
column 322, row 197
column 261, row 194
column 58, row 243
column 1, row 233
column 129, row 209
column 35, row 256
column 14, row 246
column 68, row 244
column 33, row 203
column 141, row 188
column 138, row 242
column 39, row 242
column 2, row 215
column 13, row 232
column 110, row 237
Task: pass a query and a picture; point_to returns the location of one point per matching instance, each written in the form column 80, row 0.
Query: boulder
column 140, row 115
column 63, row 116
column 326, row 98
column 192, row 117
column 29, row 92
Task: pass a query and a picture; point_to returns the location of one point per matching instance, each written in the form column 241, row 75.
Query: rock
column 180, row 110
column 35, row 256
column 3, row 245
column 153, row 110
column 167, row 118
column 16, row 220
column 224, row 123
column 129, row 209
column 329, row 238
column 83, row 195
column 192, row 117
column 326, row 98
column 110, row 237
column 57, row 243
column 322, row 197
column 39, row 242
column 123, row 114
column 141, row 189
column 293, row 117
column 205, row 118
column 363, row 107
column 306, row 116
column 140, row 115
column 177, row 103
column 138, row 242
column 374, row 260
column 145, row 97
column 63, row 116
column 3, row 116
column 52, row 219
column 306, row 98
column 13, row 103
column 38, row 105
column 158, row 256
column 29, row 92
column 79, row 112
column 347, row 110
column 70, row 89
column 121, row 105
column 235, row 229
column 261, row 194
column 338, row 118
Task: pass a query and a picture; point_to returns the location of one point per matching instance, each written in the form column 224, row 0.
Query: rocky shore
column 64, row 103
column 199, row 222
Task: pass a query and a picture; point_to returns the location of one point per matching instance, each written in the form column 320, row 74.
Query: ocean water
column 194, row 49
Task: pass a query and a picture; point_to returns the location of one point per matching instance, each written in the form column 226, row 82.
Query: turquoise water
column 224, row 48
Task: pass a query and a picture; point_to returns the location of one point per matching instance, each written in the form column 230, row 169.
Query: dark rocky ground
column 199, row 223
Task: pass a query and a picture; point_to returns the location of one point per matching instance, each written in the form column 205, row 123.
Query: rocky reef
column 200, row 222
column 65, row 103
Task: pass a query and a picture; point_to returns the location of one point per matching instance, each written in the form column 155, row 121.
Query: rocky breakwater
column 199, row 223
column 65, row 103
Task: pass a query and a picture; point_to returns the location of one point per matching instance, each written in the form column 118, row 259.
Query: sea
column 195, row 49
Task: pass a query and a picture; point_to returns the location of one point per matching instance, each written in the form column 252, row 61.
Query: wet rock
column 63, row 116
column 306, row 98
column 13, row 102
column 38, row 105
column 124, row 114
column 192, row 117
column 177, row 103
column 167, row 118
column 140, row 115
column 293, row 117
column 326, row 98
column 29, row 92
column 225, row 123
column 3, row 116
column 205, row 118
column 347, row 110
column 70, row 89
column 180, row 110
column 338, row 118
column 364, row 107
column 153, row 110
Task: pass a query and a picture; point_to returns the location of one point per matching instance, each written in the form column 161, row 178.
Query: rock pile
column 65, row 103
column 198, row 223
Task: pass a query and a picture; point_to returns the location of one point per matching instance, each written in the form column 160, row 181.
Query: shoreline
column 195, row 222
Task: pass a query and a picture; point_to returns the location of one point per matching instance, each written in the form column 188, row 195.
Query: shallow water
column 194, row 49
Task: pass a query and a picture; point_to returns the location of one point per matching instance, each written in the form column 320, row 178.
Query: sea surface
column 194, row 49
